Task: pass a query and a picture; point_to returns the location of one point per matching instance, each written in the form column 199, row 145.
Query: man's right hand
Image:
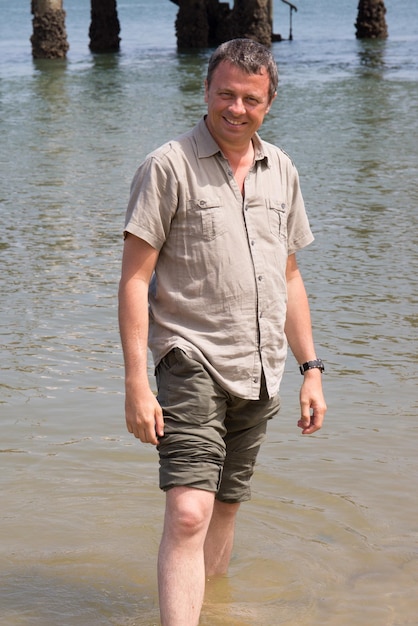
column 144, row 416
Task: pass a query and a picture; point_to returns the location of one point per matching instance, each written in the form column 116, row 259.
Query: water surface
column 330, row 536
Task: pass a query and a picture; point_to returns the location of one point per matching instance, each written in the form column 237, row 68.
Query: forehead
column 228, row 75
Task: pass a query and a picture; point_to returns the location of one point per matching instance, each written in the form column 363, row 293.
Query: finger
column 305, row 418
column 159, row 423
column 309, row 428
column 304, row 424
column 150, row 435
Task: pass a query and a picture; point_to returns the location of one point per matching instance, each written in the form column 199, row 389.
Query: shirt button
column 253, row 242
column 255, row 380
column 260, row 278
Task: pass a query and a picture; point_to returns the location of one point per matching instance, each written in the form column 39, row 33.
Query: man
column 210, row 282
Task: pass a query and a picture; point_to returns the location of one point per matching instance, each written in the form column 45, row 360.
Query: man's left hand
column 312, row 403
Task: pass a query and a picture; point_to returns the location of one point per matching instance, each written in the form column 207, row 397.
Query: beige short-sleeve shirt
column 219, row 287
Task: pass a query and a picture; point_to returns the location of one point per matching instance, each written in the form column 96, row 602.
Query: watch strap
column 310, row 365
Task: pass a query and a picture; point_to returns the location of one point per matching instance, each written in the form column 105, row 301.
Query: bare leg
column 220, row 538
column 181, row 568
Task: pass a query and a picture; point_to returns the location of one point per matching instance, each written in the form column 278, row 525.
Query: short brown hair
column 250, row 56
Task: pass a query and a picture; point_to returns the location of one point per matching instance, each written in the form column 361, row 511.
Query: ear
column 206, row 90
column 271, row 102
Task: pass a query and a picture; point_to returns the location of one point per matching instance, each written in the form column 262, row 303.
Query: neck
column 239, row 156
column 240, row 162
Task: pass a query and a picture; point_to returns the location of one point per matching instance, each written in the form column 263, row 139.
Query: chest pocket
column 277, row 216
column 206, row 218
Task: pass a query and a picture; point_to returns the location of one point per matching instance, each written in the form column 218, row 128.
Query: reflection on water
column 330, row 536
column 372, row 56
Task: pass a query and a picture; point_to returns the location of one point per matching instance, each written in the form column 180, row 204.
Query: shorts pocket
column 184, row 388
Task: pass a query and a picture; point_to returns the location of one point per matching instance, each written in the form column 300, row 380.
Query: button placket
column 251, row 217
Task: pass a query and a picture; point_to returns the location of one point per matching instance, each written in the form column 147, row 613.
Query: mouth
column 234, row 123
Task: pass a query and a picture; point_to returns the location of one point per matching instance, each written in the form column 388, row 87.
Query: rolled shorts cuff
column 195, row 474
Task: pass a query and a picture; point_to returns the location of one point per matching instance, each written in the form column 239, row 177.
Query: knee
column 188, row 514
column 189, row 522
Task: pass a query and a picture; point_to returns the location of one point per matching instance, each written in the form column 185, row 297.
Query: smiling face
column 237, row 103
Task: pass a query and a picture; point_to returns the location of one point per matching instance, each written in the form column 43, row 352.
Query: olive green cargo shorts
column 211, row 439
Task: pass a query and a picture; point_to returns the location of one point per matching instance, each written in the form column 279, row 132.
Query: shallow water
column 330, row 536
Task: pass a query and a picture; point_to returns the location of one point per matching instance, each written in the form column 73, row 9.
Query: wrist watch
column 310, row 365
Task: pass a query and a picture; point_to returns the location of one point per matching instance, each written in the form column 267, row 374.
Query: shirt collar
column 207, row 146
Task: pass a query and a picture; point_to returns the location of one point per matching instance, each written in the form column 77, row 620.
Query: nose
column 237, row 107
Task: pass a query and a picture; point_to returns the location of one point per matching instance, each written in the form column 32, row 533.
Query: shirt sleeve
column 298, row 228
column 153, row 201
